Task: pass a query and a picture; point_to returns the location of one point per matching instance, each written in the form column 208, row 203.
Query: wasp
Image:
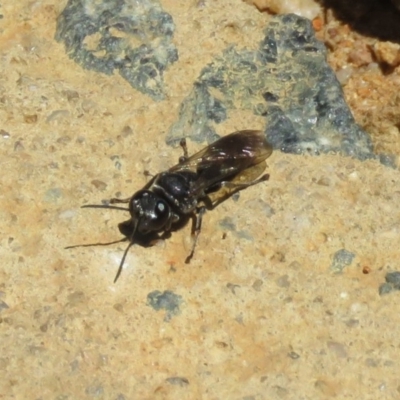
column 196, row 184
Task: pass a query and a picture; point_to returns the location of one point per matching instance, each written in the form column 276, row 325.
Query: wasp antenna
column 131, row 242
column 121, row 264
column 95, row 244
column 105, row 206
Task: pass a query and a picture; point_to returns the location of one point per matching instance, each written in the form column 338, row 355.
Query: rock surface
column 133, row 37
column 259, row 313
column 314, row 118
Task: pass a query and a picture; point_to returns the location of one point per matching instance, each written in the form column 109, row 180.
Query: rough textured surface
column 392, row 283
column 261, row 313
column 313, row 118
column 305, row 8
column 167, row 301
column 131, row 36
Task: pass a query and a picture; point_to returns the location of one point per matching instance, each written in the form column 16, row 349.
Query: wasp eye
column 161, row 209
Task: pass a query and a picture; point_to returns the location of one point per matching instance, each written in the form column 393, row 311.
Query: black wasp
column 188, row 189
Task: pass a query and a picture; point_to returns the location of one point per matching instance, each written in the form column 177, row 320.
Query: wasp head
column 149, row 213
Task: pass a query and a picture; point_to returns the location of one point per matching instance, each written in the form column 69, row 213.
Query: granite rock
column 133, row 37
column 289, row 82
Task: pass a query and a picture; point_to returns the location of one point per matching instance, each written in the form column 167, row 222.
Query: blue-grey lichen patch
column 95, row 390
column 228, row 224
column 131, row 36
column 178, row 381
column 3, row 305
column 392, row 283
column 289, row 82
column 53, row 195
column 167, row 300
column 341, row 259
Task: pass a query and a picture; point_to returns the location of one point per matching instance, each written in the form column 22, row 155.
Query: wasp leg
column 115, row 200
column 231, row 187
column 148, row 174
column 196, row 228
column 185, row 156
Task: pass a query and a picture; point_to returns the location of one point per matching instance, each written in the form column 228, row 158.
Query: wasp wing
column 226, row 158
column 243, row 179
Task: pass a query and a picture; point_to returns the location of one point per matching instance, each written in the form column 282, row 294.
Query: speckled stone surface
column 281, row 300
column 289, row 59
column 132, row 37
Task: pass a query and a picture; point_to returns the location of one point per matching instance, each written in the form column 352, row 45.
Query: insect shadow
column 197, row 183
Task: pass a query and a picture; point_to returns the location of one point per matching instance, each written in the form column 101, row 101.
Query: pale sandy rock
column 258, row 314
column 306, row 8
column 388, row 53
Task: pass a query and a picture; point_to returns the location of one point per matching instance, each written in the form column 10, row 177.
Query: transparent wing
column 242, row 180
column 226, row 158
